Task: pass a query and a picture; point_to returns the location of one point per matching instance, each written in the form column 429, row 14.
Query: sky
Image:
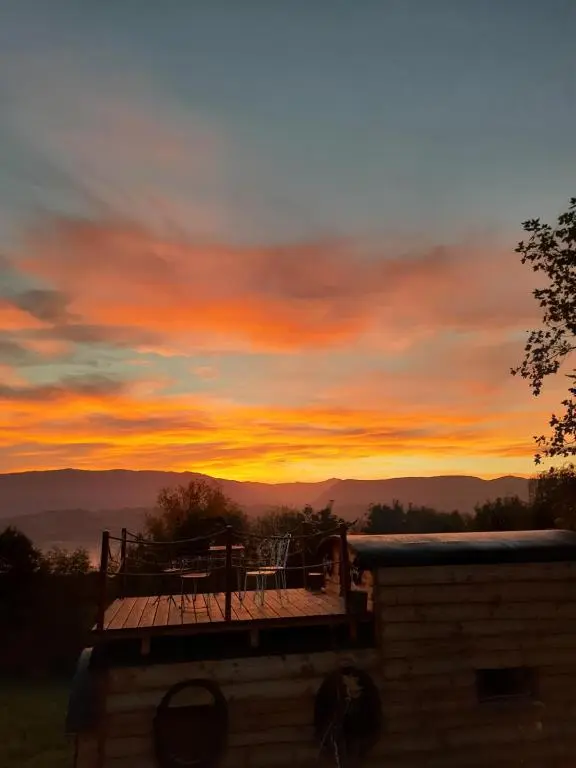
column 275, row 241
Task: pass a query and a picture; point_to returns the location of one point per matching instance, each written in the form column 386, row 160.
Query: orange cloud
column 128, row 284
column 12, row 318
column 206, row 372
column 99, row 423
column 388, row 358
column 47, row 347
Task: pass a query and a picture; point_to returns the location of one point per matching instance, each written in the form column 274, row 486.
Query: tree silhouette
column 553, row 497
column 18, row 556
column 503, row 514
column 63, row 562
column 383, row 518
column 552, row 252
column 189, row 511
column 308, row 526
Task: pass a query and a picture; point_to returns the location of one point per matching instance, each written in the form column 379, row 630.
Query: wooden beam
column 123, row 562
column 229, row 575
column 209, row 627
column 103, row 578
column 345, row 583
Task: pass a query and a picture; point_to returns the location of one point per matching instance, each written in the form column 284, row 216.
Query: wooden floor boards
column 152, row 612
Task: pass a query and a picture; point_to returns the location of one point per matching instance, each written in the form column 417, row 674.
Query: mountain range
column 70, row 507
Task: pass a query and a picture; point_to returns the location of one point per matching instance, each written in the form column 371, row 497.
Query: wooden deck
column 138, row 616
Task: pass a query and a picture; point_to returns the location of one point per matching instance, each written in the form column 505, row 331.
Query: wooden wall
column 270, row 702
column 437, row 625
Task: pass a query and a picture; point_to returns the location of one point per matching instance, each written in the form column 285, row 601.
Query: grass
column 32, row 725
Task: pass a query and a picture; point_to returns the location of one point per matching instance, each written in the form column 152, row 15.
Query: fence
column 115, row 574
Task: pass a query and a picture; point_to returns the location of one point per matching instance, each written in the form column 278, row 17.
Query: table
column 237, row 549
column 222, row 548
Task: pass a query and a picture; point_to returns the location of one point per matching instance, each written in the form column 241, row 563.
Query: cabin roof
column 462, row 548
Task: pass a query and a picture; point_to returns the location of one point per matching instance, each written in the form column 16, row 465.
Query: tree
column 552, row 252
column 17, row 554
column 63, row 562
column 308, row 527
column 553, row 497
column 197, row 509
column 429, row 520
column 385, row 519
column 503, row 514
column 276, row 522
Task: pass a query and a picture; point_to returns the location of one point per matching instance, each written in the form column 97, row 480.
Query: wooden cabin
column 419, row 651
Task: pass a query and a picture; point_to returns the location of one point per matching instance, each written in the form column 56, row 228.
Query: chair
column 195, row 571
column 218, row 556
column 271, row 558
column 171, row 569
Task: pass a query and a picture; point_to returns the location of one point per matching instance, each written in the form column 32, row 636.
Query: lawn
column 32, row 725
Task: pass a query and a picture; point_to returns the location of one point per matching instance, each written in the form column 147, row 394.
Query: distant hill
column 71, row 507
column 445, row 493
column 25, row 493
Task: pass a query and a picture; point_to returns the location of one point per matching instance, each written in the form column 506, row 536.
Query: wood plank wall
column 438, row 625
column 270, row 702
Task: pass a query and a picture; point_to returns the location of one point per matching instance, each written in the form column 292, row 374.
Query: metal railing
column 120, row 562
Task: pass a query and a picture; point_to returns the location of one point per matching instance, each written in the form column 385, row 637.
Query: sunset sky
column 275, row 240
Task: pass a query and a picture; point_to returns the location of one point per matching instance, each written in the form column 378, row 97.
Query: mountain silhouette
column 71, row 507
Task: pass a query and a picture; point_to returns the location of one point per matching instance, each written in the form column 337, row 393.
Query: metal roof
column 462, row 548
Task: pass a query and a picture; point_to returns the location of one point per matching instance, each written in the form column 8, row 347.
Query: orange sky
column 303, row 362
column 262, row 281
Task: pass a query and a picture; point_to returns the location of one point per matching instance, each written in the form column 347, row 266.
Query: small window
column 505, row 683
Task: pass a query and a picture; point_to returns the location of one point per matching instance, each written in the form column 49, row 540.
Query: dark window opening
column 505, row 683
column 347, row 715
column 191, row 726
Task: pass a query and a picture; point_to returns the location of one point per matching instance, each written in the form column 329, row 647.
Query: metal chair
column 271, row 558
column 173, row 568
column 195, row 570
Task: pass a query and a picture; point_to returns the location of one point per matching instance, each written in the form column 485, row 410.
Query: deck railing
column 121, row 572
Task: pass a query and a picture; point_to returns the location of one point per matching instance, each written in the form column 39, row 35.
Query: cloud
column 46, row 305
column 205, row 372
column 201, row 433
column 10, row 375
column 85, row 386
column 14, row 319
column 50, row 349
column 12, row 353
column 365, row 356
column 90, row 134
column 125, row 283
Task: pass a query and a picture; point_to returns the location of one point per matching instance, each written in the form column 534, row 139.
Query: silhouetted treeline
column 508, row 514
column 47, row 606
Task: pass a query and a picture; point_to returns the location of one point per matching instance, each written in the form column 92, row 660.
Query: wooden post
column 123, row 563
column 104, row 551
column 229, row 575
column 344, row 566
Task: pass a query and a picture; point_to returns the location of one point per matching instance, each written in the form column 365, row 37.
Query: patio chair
column 195, row 571
column 171, row 569
column 270, row 561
